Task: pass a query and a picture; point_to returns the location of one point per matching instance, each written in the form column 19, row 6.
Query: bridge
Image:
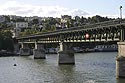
column 100, row 32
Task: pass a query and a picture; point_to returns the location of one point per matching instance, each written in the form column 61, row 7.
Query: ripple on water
column 89, row 68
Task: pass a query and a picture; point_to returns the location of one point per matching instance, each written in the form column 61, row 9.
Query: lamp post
column 121, row 12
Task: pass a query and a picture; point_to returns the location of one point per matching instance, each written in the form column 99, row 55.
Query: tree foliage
column 35, row 21
column 6, row 40
column 49, row 24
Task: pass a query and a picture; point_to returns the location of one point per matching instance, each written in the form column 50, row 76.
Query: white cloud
column 78, row 12
column 16, row 8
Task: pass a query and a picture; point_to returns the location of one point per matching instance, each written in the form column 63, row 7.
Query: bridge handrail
column 112, row 22
column 95, row 25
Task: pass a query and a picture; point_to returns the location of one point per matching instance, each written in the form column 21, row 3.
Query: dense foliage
column 6, row 41
column 37, row 25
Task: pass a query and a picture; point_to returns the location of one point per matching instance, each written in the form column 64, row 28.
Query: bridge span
column 110, row 31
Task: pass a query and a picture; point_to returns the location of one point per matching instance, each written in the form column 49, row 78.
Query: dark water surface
column 89, row 68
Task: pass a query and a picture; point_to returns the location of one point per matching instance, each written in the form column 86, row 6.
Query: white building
column 64, row 20
column 14, row 17
column 20, row 26
column 16, row 32
column 2, row 18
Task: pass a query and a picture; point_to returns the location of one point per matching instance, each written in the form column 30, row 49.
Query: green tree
column 7, row 18
column 20, row 20
column 53, row 28
column 8, row 44
column 83, row 20
column 98, row 18
column 68, row 24
column 47, row 26
column 52, row 21
column 35, row 21
column 6, row 40
column 7, row 33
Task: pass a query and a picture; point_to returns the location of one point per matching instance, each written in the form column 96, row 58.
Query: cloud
column 78, row 12
column 15, row 8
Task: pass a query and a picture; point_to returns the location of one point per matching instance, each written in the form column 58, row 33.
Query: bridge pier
column 120, row 61
column 16, row 48
column 39, row 51
column 24, row 50
column 66, row 54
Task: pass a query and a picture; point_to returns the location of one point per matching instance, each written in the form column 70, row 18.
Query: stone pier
column 16, row 48
column 66, row 54
column 24, row 50
column 39, row 51
column 120, row 61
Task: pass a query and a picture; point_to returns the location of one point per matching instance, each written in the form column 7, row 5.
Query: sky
column 56, row 8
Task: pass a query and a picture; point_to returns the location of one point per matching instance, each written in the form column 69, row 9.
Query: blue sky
column 56, row 8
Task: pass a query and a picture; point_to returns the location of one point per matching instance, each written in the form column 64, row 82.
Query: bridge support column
column 120, row 60
column 25, row 50
column 66, row 54
column 16, row 48
column 39, row 51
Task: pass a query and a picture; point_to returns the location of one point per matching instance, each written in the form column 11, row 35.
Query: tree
column 7, row 33
column 83, row 20
column 35, row 21
column 20, row 20
column 6, row 40
column 77, row 18
column 98, row 18
column 8, row 44
column 3, row 25
column 53, row 28
column 7, row 18
column 52, row 21
column 47, row 26
column 68, row 24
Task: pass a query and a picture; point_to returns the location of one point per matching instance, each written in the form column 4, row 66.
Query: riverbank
column 4, row 53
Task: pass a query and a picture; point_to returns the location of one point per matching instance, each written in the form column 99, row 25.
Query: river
column 89, row 68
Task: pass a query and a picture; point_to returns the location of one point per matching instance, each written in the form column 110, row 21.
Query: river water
column 89, row 68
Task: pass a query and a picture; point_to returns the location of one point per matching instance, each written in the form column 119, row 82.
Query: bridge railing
column 107, row 23
column 113, row 22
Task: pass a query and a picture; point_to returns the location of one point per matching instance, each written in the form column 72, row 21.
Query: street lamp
column 121, row 12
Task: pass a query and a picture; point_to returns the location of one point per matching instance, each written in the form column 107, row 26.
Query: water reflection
column 120, row 80
column 67, row 73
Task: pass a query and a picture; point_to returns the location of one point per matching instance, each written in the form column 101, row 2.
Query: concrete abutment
column 24, row 50
column 120, row 61
column 39, row 51
column 66, row 54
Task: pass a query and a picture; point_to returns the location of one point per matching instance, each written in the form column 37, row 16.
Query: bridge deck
column 95, row 31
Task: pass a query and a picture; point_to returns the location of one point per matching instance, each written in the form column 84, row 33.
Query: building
column 19, row 27
column 16, row 32
column 2, row 18
column 64, row 20
column 14, row 17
